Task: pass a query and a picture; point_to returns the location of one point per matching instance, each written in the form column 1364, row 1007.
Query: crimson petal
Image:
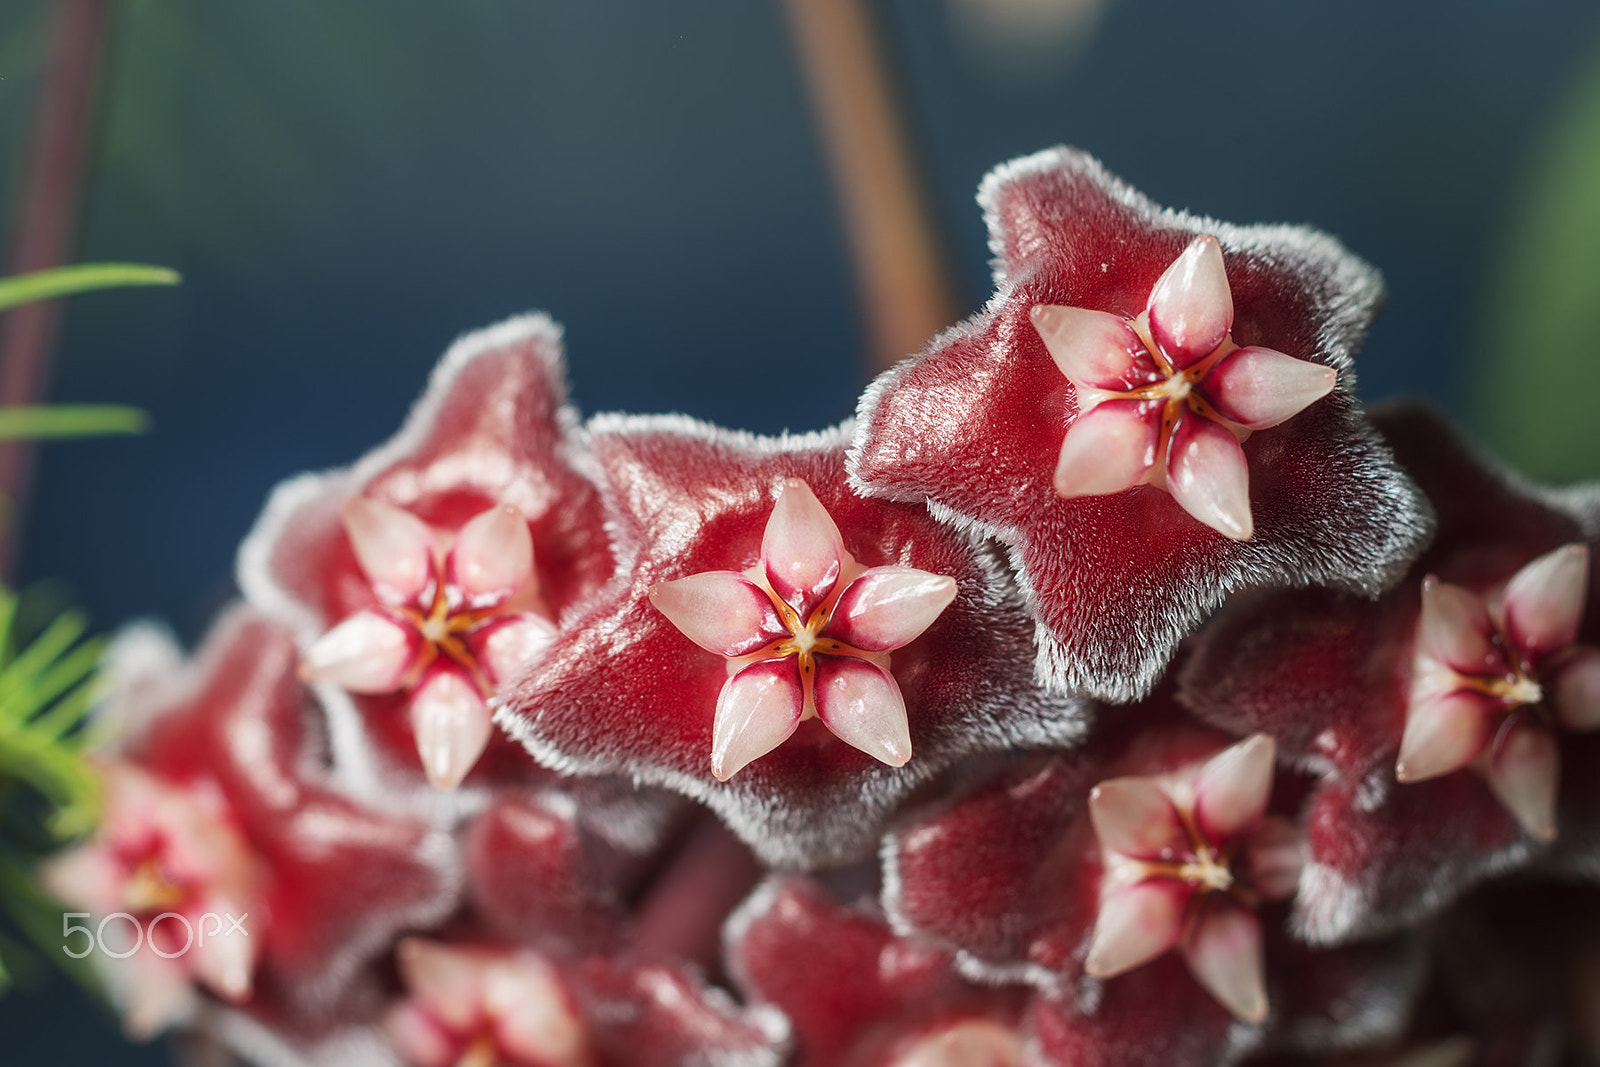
column 974, row 426
column 624, row 691
column 491, row 430
column 1330, row 677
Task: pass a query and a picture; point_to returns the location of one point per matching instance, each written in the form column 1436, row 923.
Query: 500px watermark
column 163, row 940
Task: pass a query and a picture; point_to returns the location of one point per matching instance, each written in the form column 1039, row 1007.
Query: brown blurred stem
column 901, row 271
column 42, row 232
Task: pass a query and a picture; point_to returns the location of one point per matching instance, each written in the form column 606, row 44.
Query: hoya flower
column 1448, row 721
column 170, row 881
column 223, row 842
column 1495, row 676
column 1165, row 399
column 503, row 1006
column 1133, row 883
column 1153, row 412
column 476, row 1006
column 445, row 630
column 858, row 995
column 734, row 585
column 433, row 570
column 807, row 632
column 1188, row 857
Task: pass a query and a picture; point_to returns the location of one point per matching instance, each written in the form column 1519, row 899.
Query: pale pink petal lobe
column 393, row 546
column 366, row 653
column 1544, row 601
column 493, row 556
column 720, row 611
column 1524, row 772
column 1093, row 347
column 452, row 726
column 1109, row 448
column 534, row 1020
column 1443, row 733
column 1191, row 307
column 861, row 703
column 971, row 1043
column 1274, row 856
column 1136, row 924
column 447, row 980
column 1224, row 954
column 1259, row 388
column 802, row 553
column 1455, row 629
column 1135, row 817
column 507, row 645
column 888, row 607
column 757, row 710
column 225, row 963
column 1232, row 790
column 1209, row 477
column 1573, row 689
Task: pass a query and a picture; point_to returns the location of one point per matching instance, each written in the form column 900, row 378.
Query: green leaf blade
column 81, row 278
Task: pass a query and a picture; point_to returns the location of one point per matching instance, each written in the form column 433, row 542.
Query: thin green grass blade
column 82, row 278
column 70, row 420
column 31, row 662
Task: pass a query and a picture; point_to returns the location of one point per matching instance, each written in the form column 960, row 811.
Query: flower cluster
column 1114, row 690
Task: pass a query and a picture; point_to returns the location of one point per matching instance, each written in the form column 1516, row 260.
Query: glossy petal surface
column 492, row 431
column 690, row 499
column 975, row 425
column 1421, row 678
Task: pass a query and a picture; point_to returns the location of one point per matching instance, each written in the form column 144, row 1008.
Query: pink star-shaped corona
column 1166, row 398
column 1188, row 857
column 173, row 860
column 1494, row 678
column 481, row 1007
column 457, row 614
column 807, row 633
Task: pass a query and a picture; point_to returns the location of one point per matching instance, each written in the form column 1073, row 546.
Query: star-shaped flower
column 1483, row 657
column 717, row 543
column 1078, row 874
column 217, row 805
column 1166, row 399
column 1495, row 675
column 498, row 1005
column 431, row 571
column 1130, row 350
column 1188, row 857
column 807, row 632
column 446, row 630
column 468, row 1007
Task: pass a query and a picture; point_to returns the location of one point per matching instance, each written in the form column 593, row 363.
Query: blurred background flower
column 346, row 186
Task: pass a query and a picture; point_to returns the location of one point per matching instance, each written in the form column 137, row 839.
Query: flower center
column 441, row 628
column 149, row 889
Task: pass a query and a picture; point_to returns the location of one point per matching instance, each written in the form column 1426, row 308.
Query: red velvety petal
column 625, row 692
column 340, row 880
column 854, row 992
column 974, row 426
column 530, row 876
column 1328, row 675
column 1011, row 872
column 491, row 428
column 1156, row 1015
column 659, row 1015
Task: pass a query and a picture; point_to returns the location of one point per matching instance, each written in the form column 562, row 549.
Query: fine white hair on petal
column 784, row 833
column 1334, row 551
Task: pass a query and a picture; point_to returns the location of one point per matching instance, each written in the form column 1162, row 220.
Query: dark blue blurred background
column 346, row 186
